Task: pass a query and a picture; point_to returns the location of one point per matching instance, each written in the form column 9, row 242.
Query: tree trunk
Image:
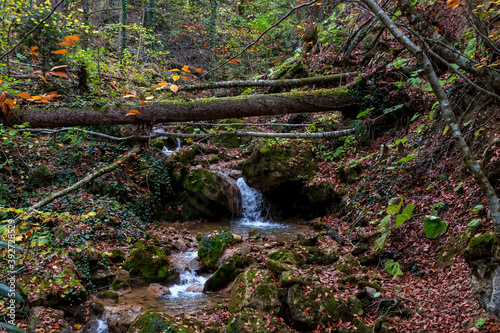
column 274, row 83
column 486, row 290
column 197, row 110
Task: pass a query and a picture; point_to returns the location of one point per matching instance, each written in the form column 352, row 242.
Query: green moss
column 108, row 294
column 253, row 321
column 481, row 247
column 211, row 247
column 150, row 263
column 226, row 273
column 153, row 321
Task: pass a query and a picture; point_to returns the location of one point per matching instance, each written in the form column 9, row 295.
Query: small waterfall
column 253, row 213
column 190, row 284
column 167, row 151
column 251, row 203
column 102, row 325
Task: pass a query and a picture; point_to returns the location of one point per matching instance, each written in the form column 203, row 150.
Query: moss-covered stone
column 47, row 320
column 311, row 305
column 287, row 256
column 352, row 306
column 254, row 289
column 117, row 255
column 109, row 294
column 226, row 273
column 151, row 264
column 252, row 321
column 211, row 248
column 481, row 247
column 153, row 321
column 121, row 280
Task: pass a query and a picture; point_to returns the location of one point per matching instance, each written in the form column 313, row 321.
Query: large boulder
column 209, row 195
column 257, row 322
column 151, row 264
column 254, row 289
column 311, row 304
column 47, row 320
column 225, row 274
column 483, row 257
column 282, row 173
column 211, row 248
column 121, row 317
column 153, row 321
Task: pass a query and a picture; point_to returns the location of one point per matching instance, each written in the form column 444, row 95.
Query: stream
column 187, row 297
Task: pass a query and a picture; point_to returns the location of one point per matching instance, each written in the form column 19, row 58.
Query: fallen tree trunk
column 197, row 110
column 274, row 83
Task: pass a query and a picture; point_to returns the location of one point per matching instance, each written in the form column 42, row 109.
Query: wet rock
column 158, row 290
column 154, row 321
column 151, row 264
column 307, row 240
column 211, row 248
column 195, row 288
column 237, row 238
column 252, row 321
column 254, row 233
column 46, row 319
column 121, row 317
column 225, row 274
column 122, row 280
column 330, row 254
column 180, row 245
column 253, row 289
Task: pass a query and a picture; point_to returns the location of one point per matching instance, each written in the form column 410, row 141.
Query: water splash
column 190, row 284
column 167, row 151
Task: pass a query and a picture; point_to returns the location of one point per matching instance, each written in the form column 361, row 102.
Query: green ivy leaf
column 380, row 242
column 405, row 215
column 434, row 226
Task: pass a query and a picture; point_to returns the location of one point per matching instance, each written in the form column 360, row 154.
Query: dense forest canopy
column 105, row 84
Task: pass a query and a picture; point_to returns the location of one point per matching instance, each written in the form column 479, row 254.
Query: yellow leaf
column 174, row 70
column 446, row 130
column 149, row 98
column 234, row 61
column 452, row 3
column 92, row 214
column 34, row 48
column 72, row 38
column 60, row 51
column 174, row 88
column 77, row 326
column 1, row 81
column 176, row 77
column 199, row 71
column 36, row 97
column 66, row 43
column 129, row 96
column 186, row 69
column 24, row 95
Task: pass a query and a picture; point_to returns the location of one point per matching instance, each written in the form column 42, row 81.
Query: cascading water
column 253, row 213
column 167, row 151
column 190, row 284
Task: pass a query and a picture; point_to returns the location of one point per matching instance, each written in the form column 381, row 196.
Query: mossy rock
column 352, row 306
column 312, row 305
column 109, row 294
column 153, row 321
column 254, row 289
column 290, row 278
column 252, row 321
column 151, row 264
column 278, row 267
column 481, row 247
column 209, row 195
column 121, row 280
column 211, row 248
column 117, row 255
column 225, row 274
column 46, row 319
column 287, row 256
